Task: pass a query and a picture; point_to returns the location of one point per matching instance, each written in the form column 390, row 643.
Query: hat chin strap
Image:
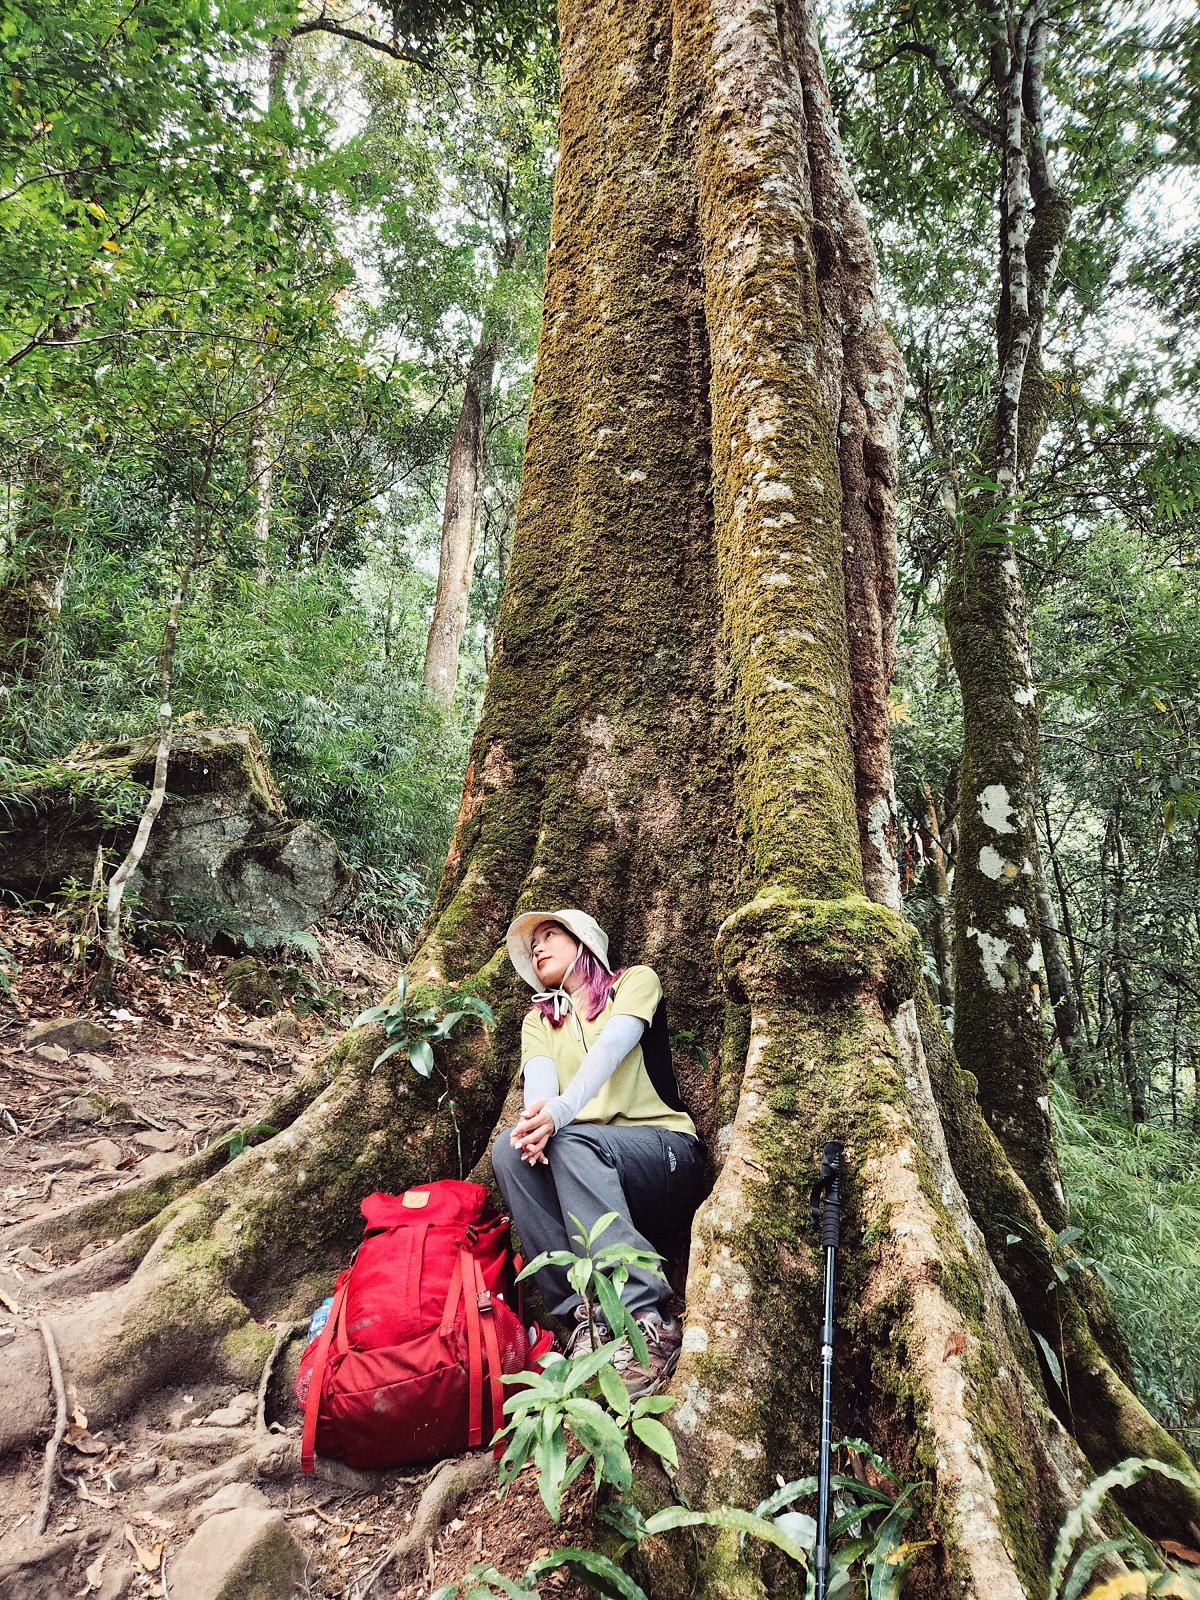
column 560, row 999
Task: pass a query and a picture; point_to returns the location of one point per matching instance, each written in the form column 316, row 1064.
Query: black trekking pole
column 827, row 1216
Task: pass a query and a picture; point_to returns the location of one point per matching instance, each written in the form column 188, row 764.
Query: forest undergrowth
column 1133, row 1191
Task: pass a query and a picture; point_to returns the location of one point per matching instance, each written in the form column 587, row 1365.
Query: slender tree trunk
column 34, row 567
column 680, row 735
column 260, row 449
column 113, row 955
column 1058, row 977
column 460, row 527
column 1131, row 1076
column 938, row 881
column 998, row 1030
column 260, row 467
column 1067, row 924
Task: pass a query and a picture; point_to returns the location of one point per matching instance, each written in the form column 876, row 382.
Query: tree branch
column 323, row 24
column 958, row 97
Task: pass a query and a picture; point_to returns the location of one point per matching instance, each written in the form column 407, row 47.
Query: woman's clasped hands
column 532, row 1134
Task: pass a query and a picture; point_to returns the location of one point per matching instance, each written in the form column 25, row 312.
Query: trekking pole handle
column 826, row 1200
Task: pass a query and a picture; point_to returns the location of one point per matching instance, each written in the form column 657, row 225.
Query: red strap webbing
column 410, row 1273
column 474, row 1350
column 453, row 1296
column 518, row 1267
column 484, row 1302
column 316, row 1380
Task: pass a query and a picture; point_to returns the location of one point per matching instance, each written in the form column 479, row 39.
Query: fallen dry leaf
column 347, row 1527
column 84, row 1493
column 80, row 1439
column 94, row 1573
column 1182, row 1552
column 148, row 1560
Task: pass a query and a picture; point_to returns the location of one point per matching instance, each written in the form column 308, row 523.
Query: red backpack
column 419, row 1317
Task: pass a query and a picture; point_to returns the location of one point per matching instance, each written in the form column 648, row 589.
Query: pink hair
column 594, row 990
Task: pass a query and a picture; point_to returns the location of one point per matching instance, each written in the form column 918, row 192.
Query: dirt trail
column 182, row 1067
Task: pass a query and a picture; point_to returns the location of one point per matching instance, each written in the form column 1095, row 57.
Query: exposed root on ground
column 450, row 1485
column 287, row 1332
column 60, row 1427
column 207, row 1269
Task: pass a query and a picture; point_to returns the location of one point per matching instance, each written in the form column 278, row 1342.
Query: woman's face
column 553, row 950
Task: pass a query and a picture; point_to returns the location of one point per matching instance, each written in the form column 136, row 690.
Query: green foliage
column 418, row 1032
column 870, row 1558
column 294, row 303
column 243, row 1138
column 1122, row 1476
column 9, row 972
column 1134, row 1194
column 500, row 32
column 599, row 1276
column 588, row 1567
column 584, row 1395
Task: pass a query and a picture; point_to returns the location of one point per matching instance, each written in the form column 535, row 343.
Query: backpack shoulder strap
column 316, row 1381
column 656, row 1053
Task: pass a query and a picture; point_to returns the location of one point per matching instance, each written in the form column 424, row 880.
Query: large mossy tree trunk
column 685, row 732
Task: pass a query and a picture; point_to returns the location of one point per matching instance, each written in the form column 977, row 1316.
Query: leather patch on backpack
column 416, row 1198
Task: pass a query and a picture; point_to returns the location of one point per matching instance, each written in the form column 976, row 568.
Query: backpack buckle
column 484, row 1300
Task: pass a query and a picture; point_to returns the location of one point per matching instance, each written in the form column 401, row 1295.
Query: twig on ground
column 235, row 1041
column 10, row 1304
column 150, row 1122
column 286, row 1331
column 60, row 1427
column 450, row 1485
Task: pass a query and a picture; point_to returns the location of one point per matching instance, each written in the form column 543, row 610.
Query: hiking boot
column 580, row 1342
column 664, row 1337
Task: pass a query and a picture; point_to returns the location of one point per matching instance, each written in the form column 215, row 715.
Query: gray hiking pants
column 649, row 1176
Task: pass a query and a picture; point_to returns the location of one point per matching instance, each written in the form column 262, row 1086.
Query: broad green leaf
column 798, row 1525
column 725, row 1517
column 651, row 1405
column 590, row 1568
column 613, row 1388
column 784, row 1495
column 658, row 1438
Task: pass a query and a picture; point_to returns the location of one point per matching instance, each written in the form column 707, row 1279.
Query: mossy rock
column 222, row 857
column 250, row 985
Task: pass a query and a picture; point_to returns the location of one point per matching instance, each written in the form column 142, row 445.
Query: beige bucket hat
column 520, row 937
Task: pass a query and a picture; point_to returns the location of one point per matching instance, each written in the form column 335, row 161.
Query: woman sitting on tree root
column 603, row 1129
